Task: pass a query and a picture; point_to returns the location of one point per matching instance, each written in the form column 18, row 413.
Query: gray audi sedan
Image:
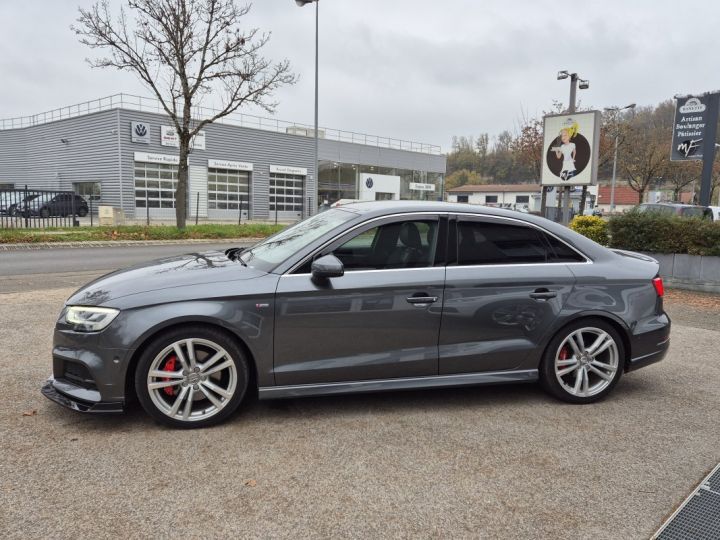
column 362, row 298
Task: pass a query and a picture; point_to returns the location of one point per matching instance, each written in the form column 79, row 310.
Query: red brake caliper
column 564, row 353
column 169, row 366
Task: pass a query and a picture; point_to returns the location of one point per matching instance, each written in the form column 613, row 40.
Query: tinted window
column 561, row 252
column 695, row 212
column 403, row 244
column 499, row 243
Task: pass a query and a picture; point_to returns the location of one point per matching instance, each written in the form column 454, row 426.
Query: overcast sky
column 413, row 69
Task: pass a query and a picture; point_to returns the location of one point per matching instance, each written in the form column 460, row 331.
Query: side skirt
column 410, row 383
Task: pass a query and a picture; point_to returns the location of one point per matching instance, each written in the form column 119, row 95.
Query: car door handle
column 422, row 300
column 543, row 294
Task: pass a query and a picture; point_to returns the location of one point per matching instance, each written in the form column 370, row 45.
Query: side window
column 403, row 244
column 482, row 242
column 561, row 252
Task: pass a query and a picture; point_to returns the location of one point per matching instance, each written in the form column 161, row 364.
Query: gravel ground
column 485, row 462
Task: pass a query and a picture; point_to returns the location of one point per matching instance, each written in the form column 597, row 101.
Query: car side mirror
column 328, row 266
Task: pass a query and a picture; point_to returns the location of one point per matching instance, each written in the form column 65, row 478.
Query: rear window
column 481, row 243
column 695, row 212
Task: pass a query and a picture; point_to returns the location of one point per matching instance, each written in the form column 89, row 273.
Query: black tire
column 199, row 334
column 45, row 212
column 82, row 212
column 550, row 375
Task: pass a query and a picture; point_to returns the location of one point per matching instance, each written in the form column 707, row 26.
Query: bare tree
column 681, row 175
column 644, row 162
column 644, row 155
column 528, row 146
column 183, row 50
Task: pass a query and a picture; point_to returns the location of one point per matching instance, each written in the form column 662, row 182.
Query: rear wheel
column 82, row 211
column 583, row 362
column 191, row 377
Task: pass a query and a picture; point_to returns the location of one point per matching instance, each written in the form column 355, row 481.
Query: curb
column 32, row 246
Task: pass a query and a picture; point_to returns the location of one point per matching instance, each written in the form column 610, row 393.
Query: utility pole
column 316, row 167
column 584, row 85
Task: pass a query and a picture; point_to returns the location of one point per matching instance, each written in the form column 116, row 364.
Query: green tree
column 461, row 178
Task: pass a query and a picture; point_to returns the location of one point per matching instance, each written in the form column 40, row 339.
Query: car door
column 381, row 319
column 61, row 205
column 503, row 292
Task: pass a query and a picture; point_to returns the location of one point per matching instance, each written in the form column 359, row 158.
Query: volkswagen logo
column 140, row 130
column 369, row 183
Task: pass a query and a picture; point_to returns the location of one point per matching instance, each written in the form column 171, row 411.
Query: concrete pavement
column 492, row 462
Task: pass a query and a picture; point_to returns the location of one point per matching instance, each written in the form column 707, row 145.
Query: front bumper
column 78, row 398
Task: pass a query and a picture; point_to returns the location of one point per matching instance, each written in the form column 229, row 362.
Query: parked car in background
column 17, row 202
column 716, row 212
column 6, row 202
column 677, row 209
column 366, row 297
column 49, row 204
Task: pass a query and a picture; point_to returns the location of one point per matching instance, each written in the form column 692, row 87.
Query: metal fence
column 41, row 208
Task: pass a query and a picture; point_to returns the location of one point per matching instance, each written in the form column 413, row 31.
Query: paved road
column 58, row 267
column 57, row 260
column 497, row 462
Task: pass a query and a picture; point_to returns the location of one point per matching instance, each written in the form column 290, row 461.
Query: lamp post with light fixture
column 584, row 84
column 617, row 135
column 302, row 3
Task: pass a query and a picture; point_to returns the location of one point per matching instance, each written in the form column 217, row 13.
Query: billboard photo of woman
column 567, row 151
column 570, row 148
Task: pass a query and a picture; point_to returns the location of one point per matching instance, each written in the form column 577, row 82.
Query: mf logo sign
column 691, row 120
column 140, row 132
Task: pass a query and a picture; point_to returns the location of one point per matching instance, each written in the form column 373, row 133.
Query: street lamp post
column 302, row 3
column 617, row 135
column 584, row 85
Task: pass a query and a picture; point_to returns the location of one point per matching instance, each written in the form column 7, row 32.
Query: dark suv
column 47, row 204
column 677, row 209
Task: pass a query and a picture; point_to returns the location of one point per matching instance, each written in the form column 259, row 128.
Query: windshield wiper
column 234, row 254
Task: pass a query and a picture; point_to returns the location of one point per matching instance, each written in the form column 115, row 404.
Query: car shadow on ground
column 446, row 400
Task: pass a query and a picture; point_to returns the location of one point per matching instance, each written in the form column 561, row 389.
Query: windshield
column 268, row 254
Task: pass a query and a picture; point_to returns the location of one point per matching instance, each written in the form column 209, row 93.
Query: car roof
column 673, row 205
column 394, row 207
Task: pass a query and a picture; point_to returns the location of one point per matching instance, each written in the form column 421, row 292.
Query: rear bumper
column 650, row 347
column 77, row 398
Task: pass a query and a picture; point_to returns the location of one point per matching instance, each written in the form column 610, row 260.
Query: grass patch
column 137, row 232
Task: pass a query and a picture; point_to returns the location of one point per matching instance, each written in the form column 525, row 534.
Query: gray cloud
column 413, row 69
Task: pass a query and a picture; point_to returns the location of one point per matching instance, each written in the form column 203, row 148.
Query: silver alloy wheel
column 586, row 362
column 202, row 384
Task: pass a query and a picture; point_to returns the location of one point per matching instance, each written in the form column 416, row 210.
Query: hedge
column 659, row 233
column 594, row 227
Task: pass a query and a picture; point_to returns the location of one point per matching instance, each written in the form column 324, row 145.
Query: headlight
column 89, row 319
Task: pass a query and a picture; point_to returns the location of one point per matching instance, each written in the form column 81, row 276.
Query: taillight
column 659, row 287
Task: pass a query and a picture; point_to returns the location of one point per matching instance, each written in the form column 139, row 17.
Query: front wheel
column 191, row 377
column 583, row 362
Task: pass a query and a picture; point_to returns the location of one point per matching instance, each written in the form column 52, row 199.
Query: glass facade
column 341, row 181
